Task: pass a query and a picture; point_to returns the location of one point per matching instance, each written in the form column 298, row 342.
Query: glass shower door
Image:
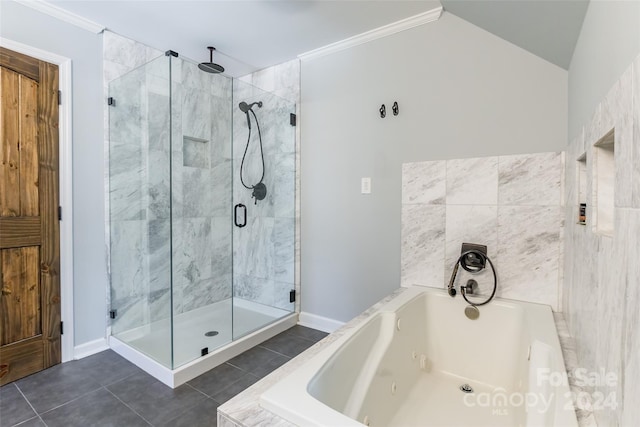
column 264, row 199
column 139, row 210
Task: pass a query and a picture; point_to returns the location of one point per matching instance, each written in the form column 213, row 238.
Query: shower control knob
column 259, row 192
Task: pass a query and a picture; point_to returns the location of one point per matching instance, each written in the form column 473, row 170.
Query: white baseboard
column 320, row 323
column 89, row 348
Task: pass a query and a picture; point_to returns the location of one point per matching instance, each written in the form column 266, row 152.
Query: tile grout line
column 198, row 390
column 121, row 379
column 27, row 420
column 30, row 405
column 275, row 354
column 281, row 354
column 69, row 401
column 124, row 403
column 235, row 382
column 245, row 373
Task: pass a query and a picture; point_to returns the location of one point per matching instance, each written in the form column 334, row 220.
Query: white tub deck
column 404, row 366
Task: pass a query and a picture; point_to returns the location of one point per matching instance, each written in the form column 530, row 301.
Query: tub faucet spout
column 470, row 287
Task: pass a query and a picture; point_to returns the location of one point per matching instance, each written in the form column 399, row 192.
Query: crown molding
column 63, row 15
column 376, row 33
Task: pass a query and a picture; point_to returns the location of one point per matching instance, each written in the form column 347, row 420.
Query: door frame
column 66, row 187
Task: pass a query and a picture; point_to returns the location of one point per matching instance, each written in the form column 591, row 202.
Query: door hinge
column 61, row 328
column 292, row 119
column 59, row 97
column 113, row 314
column 292, row 295
column 111, row 101
column 59, row 213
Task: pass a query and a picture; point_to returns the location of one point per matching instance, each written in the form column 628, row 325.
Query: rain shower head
column 211, row 67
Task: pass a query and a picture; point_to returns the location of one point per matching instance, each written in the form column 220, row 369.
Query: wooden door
column 29, row 229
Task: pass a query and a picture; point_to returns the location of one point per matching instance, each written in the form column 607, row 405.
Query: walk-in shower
column 188, row 288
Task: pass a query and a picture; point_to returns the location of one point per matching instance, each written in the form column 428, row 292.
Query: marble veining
column 567, row 343
column 601, row 272
column 424, row 182
column 423, row 244
column 528, row 253
column 635, row 180
column 472, row 181
column 631, row 362
column 512, row 204
column 530, row 179
column 616, row 113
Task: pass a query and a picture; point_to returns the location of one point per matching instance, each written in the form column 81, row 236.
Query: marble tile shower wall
column 602, row 271
column 265, row 256
column 201, row 187
column 139, row 234
column 135, row 252
column 512, row 204
column 268, row 258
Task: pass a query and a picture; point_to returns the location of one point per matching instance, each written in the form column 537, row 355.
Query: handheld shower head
column 244, row 107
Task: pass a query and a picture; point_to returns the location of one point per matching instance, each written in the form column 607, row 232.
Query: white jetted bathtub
column 407, row 364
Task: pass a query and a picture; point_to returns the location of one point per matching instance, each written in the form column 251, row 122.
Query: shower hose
column 246, row 148
column 462, row 260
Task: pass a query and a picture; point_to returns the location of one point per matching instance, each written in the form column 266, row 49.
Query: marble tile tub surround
column 512, row 204
column 602, row 273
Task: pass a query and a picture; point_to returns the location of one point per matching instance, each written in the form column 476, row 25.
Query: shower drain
column 211, row 334
column 466, row 388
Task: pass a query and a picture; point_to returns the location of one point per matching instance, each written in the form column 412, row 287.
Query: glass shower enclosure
column 197, row 262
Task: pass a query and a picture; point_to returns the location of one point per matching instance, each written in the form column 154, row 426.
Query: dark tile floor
column 107, row 390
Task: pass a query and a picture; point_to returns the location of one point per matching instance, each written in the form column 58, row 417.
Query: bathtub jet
column 404, row 364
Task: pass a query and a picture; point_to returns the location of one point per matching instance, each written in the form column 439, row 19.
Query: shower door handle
column 244, row 216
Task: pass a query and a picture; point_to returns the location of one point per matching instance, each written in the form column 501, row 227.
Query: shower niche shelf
column 604, row 179
column 581, row 172
column 195, row 152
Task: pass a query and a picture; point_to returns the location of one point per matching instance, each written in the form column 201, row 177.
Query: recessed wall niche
column 195, row 152
column 604, row 165
column 581, row 170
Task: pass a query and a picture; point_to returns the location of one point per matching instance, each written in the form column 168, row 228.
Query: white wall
column 462, row 93
column 608, row 43
column 24, row 25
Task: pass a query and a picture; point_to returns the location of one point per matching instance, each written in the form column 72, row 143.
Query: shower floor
column 154, row 340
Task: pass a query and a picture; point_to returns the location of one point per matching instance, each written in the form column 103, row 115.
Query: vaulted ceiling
column 251, row 35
